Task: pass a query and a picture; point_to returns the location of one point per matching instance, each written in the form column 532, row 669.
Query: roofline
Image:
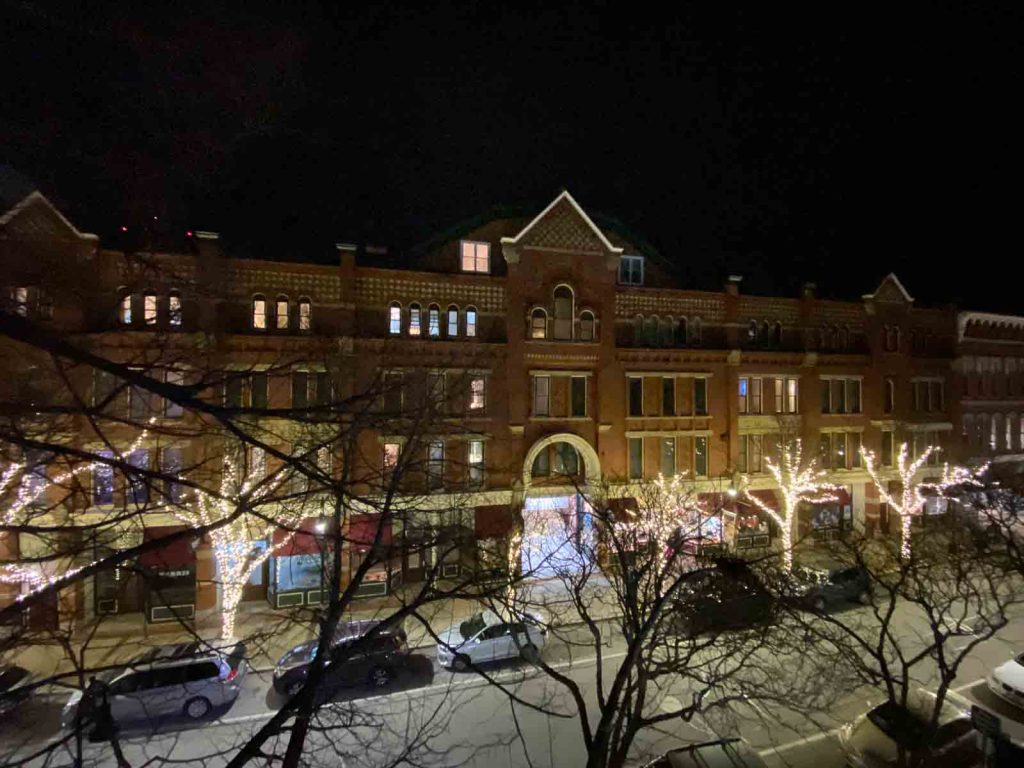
column 35, row 195
column 572, row 201
column 963, row 318
column 891, row 276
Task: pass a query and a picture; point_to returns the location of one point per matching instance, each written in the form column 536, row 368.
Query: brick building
column 575, row 355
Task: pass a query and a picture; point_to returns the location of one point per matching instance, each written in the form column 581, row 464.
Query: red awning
column 174, row 554
column 304, row 542
column 494, row 521
column 362, row 530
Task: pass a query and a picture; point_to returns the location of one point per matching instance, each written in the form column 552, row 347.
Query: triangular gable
column 563, row 226
column 891, row 290
column 36, row 216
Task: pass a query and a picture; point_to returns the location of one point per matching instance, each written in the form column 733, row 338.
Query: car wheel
column 198, row 707
column 864, row 598
column 530, row 653
column 294, row 687
column 818, row 604
column 460, row 663
column 380, row 677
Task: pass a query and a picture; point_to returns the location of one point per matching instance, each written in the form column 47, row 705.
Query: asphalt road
column 452, row 718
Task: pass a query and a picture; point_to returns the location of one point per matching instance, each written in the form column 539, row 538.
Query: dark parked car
column 821, row 591
column 358, row 657
column 728, row 596
column 15, row 686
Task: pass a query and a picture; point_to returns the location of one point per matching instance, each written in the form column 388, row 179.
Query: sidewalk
column 269, row 633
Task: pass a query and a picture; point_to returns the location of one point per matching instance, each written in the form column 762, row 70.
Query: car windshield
column 898, row 724
column 11, row 676
column 472, row 626
column 1020, row 659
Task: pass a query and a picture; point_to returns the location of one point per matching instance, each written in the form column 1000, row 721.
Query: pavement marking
column 965, row 686
column 807, row 740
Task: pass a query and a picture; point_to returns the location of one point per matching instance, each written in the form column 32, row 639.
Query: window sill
column 560, row 418
column 665, row 418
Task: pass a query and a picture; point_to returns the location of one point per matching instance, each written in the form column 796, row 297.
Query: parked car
column 1007, row 681
column 723, row 753
column 874, row 738
column 362, row 653
column 485, row 637
column 729, row 596
column 820, row 590
column 15, row 686
column 187, row 678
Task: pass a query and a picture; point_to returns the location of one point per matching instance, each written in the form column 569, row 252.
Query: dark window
column 171, row 463
column 300, row 389
column 259, row 390
column 139, row 485
column 103, row 480
column 579, row 395
column 323, row 388
column 700, row 456
column 636, row 458
column 668, row 396
column 204, row 671
column 700, row 397
column 636, row 396
column 233, row 390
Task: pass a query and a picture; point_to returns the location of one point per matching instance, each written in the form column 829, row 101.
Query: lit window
column 124, row 313
column 668, row 456
column 414, row 319
column 149, row 308
column 744, row 389
column 475, row 461
column 631, row 270
column 137, row 484
column 305, row 314
column 391, row 454
column 453, row 321
column 538, row 324
column 103, row 479
column 434, row 321
column 259, row 313
column 173, row 410
column 435, row 463
column 477, row 393
column 470, row 322
column 395, row 319
column 786, row 395
column 586, row 326
column 174, row 308
column 700, row 456
column 282, row 313
column 20, row 298
column 476, row 257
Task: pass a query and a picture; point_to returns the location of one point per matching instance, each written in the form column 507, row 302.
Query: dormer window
column 174, row 308
column 395, row 318
column 470, row 322
column 453, row 321
column 631, row 270
column 305, row 314
column 149, row 308
column 259, row 312
column 124, row 310
column 434, row 321
column 282, row 313
column 476, row 257
column 414, row 319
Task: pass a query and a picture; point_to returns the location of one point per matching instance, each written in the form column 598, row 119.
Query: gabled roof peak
column 890, row 280
column 563, row 197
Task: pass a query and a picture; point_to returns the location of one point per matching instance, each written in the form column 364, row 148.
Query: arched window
column 282, row 313
column 587, row 325
column 825, row 337
column 666, row 332
column 766, row 333
column 638, row 331
column 470, row 322
column 564, row 312
column 696, row 330
column 681, row 331
column 651, row 331
column 967, row 429
column 149, row 307
column 892, row 338
column 890, row 396
column 259, row 312
column 305, row 313
column 843, row 340
column 752, row 332
column 453, row 321
column 996, row 439
column 124, row 309
column 394, row 318
column 434, row 321
column 777, row 334
column 174, row 308
column 414, row 319
column 1011, row 424
column 538, row 324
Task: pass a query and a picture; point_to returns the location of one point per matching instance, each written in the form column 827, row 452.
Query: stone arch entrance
column 591, row 463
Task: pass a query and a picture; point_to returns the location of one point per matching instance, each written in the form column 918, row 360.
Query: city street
column 449, row 718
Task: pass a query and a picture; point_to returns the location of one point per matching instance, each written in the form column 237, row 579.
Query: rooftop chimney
column 732, row 285
column 809, row 290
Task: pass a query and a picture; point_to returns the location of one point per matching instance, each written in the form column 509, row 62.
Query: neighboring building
column 574, row 353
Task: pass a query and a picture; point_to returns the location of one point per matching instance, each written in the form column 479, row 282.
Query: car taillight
column 232, row 674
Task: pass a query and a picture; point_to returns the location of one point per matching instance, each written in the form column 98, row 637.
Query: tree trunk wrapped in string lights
column 911, row 498
column 797, row 483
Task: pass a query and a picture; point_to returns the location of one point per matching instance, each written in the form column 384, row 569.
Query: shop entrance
column 554, row 529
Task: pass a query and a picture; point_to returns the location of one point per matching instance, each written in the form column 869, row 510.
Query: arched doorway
column 556, row 516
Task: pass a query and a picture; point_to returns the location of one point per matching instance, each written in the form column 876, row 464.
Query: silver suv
column 188, row 678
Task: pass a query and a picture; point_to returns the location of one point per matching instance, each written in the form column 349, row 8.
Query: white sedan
column 1007, row 681
column 485, row 637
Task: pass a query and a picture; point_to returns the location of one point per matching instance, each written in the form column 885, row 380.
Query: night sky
column 833, row 144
